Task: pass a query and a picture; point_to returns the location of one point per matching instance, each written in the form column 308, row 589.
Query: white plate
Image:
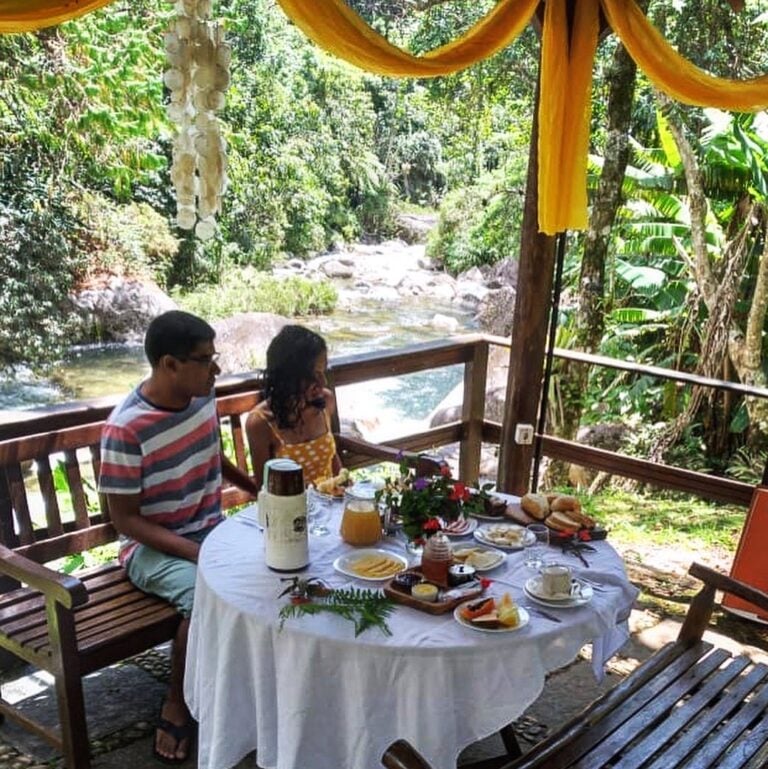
column 523, row 614
column 501, row 557
column 470, row 526
column 492, row 534
column 534, row 592
column 344, row 563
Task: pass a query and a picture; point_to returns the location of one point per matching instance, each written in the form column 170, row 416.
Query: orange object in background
column 749, row 563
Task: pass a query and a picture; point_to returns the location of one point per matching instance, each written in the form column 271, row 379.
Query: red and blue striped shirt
column 171, row 458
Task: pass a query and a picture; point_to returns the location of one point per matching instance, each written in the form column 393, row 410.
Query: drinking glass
column 536, row 541
column 319, row 510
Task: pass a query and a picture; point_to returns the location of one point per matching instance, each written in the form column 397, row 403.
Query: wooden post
column 529, row 330
column 473, row 413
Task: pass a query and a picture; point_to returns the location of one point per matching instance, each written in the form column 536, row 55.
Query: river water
column 401, row 402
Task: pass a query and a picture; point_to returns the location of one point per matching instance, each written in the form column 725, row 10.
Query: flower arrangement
column 423, row 503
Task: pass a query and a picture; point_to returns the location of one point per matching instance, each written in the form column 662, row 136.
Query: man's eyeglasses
column 206, row 360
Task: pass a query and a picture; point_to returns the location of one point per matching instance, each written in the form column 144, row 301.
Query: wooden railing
column 237, row 394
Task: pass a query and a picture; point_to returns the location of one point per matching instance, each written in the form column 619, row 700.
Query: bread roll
column 560, row 521
column 515, row 513
column 564, row 503
column 584, row 520
column 535, row 505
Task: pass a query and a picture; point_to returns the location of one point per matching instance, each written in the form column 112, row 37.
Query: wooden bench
column 690, row 704
column 73, row 625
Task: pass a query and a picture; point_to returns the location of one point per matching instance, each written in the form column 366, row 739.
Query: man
column 161, row 471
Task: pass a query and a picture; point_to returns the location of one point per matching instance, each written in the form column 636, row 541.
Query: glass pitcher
column 360, row 522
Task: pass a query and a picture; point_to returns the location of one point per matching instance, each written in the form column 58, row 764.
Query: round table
column 310, row 695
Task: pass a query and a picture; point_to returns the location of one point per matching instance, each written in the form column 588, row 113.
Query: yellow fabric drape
column 564, row 112
column 29, row 15
column 674, row 74
column 333, row 25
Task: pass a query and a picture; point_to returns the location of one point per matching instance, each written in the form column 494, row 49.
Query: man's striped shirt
column 171, row 458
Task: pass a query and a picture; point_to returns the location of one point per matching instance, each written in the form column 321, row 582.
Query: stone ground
column 123, row 701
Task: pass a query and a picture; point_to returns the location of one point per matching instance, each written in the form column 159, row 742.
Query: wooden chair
column 690, row 705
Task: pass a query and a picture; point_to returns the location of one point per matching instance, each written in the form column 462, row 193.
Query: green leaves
column 365, row 608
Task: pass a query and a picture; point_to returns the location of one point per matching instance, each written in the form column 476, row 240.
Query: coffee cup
column 555, row 579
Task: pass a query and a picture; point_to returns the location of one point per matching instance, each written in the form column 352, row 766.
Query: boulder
column 414, row 228
column 610, row 437
column 496, row 311
column 242, row 340
column 503, row 273
column 336, row 268
column 444, row 323
column 117, row 309
column 472, row 275
column 470, row 292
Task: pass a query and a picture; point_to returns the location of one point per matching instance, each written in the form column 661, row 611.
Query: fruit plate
column 582, row 594
column 522, row 613
column 461, row 527
column 508, row 536
column 371, row 564
column 488, row 558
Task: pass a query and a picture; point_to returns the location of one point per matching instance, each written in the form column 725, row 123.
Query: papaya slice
column 478, row 608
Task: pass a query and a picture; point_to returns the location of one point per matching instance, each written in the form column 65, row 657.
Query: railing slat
column 76, row 489
column 473, row 413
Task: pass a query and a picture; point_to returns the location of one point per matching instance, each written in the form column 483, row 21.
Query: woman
column 294, row 419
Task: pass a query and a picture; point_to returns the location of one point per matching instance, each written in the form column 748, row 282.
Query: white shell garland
column 197, row 77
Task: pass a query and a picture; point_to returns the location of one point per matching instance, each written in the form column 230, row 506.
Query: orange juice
column 360, row 523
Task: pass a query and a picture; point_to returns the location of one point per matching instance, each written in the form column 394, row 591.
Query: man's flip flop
column 179, row 733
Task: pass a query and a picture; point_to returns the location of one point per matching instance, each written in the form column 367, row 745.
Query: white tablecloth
column 312, row 696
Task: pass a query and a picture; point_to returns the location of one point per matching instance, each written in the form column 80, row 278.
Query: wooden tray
column 400, row 595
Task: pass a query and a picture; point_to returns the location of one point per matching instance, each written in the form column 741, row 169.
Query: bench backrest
column 49, row 504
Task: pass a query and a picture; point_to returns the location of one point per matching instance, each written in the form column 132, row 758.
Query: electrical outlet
column 524, row 435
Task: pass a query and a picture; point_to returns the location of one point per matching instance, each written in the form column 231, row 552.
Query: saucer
column 582, row 594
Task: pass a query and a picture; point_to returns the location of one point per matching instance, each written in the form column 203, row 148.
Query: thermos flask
column 287, row 540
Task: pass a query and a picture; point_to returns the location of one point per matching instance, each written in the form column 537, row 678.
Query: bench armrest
column 67, row 590
column 402, row 755
column 424, row 464
column 729, row 585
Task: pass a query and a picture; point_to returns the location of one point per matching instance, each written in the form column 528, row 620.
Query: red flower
column 445, row 471
column 431, row 526
column 459, row 492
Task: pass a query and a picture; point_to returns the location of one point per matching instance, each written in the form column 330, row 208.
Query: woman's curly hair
column 291, row 357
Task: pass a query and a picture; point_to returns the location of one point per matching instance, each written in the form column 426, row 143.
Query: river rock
column 503, row 273
column 336, row 268
column 610, row 437
column 117, row 309
column 414, row 228
column 242, row 340
column 383, row 294
column 472, row 275
column 496, row 311
column 470, row 292
column 445, row 323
